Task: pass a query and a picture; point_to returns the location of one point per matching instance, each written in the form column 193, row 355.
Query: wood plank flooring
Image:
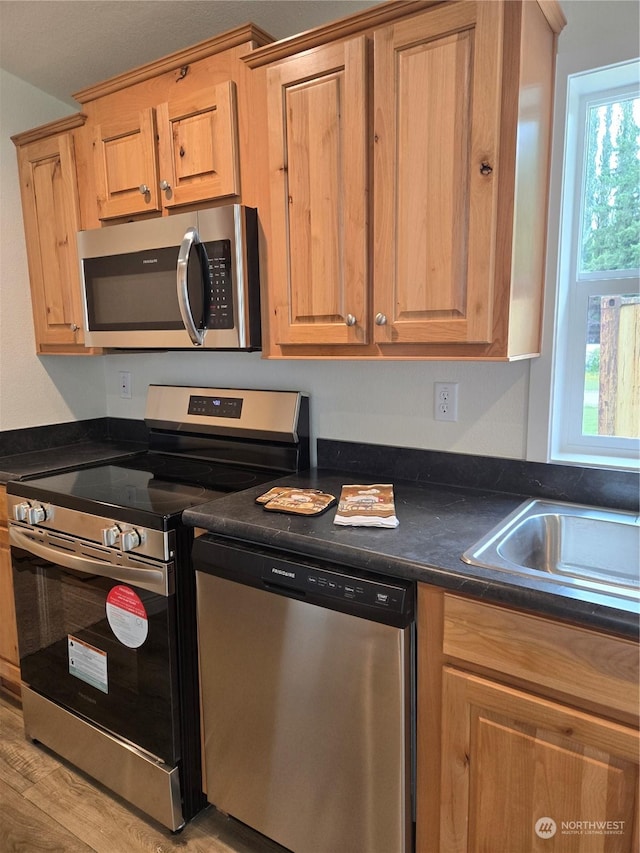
column 46, row 805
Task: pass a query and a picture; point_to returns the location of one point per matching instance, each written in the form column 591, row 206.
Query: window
column 596, row 399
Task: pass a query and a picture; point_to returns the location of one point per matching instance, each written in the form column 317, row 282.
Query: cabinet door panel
column 317, row 158
column 198, row 146
column 125, row 160
column 437, row 111
column 511, row 759
column 50, row 205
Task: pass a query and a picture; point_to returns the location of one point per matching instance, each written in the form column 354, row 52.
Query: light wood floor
column 46, row 805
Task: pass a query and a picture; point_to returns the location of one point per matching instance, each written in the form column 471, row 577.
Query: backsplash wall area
column 390, row 403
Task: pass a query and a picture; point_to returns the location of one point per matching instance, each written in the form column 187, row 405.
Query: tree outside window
column 610, row 242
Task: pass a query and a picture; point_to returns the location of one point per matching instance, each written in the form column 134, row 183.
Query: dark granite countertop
column 19, row 466
column 437, row 524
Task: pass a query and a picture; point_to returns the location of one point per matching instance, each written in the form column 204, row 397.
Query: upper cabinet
column 408, row 168
column 436, row 132
column 51, row 212
column 165, row 135
column 398, row 158
column 318, row 186
column 181, row 152
column 176, row 132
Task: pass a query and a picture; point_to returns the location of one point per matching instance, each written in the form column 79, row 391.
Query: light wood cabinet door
column 317, row 114
column 524, row 773
column 126, row 165
column 9, row 659
column 50, row 207
column 198, row 147
column 437, row 88
column 183, row 151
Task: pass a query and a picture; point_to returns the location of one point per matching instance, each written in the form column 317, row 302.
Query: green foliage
column 611, row 221
column 592, row 361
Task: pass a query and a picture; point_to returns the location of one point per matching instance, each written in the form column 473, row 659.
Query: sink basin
column 566, row 543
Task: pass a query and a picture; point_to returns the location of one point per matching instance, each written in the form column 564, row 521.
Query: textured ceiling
column 63, row 46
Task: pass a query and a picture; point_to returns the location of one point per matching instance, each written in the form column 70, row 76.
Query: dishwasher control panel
column 380, row 598
column 324, row 582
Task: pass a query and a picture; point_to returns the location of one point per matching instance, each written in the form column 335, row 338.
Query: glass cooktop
column 153, row 482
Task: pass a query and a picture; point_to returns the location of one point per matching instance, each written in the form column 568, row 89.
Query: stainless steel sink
column 566, row 543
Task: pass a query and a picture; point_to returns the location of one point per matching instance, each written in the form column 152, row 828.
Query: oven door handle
column 152, row 579
column 191, row 241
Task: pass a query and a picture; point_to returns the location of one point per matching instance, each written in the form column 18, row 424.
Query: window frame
column 574, row 288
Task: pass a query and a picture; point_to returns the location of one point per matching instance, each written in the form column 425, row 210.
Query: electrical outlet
column 125, row 384
column 446, row 401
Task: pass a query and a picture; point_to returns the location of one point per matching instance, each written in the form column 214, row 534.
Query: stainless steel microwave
column 183, row 281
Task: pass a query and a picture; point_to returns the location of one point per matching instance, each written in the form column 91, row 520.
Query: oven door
column 99, row 638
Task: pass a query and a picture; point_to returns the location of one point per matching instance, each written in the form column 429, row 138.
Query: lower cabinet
column 537, row 748
column 9, row 660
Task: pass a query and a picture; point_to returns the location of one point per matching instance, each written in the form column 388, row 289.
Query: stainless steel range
column 105, row 590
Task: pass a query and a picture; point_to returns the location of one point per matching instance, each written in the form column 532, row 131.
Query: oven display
column 215, row 407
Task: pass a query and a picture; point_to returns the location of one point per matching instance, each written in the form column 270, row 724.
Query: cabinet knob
column 144, row 189
column 74, row 327
column 350, row 320
column 381, row 319
column 165, row 185
column 486, row 169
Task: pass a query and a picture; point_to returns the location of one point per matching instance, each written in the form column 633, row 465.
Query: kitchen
column 498, row 405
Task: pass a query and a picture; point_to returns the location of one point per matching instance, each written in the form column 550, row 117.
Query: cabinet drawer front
column 574, row 661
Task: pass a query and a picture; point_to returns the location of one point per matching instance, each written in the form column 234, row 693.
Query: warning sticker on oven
column 127, row 616
column 88, row 663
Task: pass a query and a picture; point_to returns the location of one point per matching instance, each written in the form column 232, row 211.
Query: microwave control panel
column 220, row 293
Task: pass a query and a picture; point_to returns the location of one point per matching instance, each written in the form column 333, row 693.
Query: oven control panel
column 215, row 407
column 121, row 537
column 32, row 513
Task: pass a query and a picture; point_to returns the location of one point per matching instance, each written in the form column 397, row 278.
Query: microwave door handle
column 190, row 239
column 154, row 580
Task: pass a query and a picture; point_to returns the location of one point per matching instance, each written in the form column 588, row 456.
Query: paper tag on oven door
column 127, row 616
column 87, row 663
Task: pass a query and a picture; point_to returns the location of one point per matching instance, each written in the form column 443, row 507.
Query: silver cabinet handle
column 165, row 185
column 144, row 189
column 350, row 320
column 152, row 579
column 191, row 238
column 381, row 319
column 74, row 327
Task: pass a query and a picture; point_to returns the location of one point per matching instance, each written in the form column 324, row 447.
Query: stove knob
column 110, row 536
column 130, row 539
column 38, row 513
column 20, row 511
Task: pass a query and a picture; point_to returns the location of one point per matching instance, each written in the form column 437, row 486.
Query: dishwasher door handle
column 152, row 579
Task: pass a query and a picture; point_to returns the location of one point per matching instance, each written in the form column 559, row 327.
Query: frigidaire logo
column 275, row 571
column 149, row 260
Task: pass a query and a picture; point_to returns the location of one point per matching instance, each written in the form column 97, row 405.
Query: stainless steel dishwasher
column 306, row 694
